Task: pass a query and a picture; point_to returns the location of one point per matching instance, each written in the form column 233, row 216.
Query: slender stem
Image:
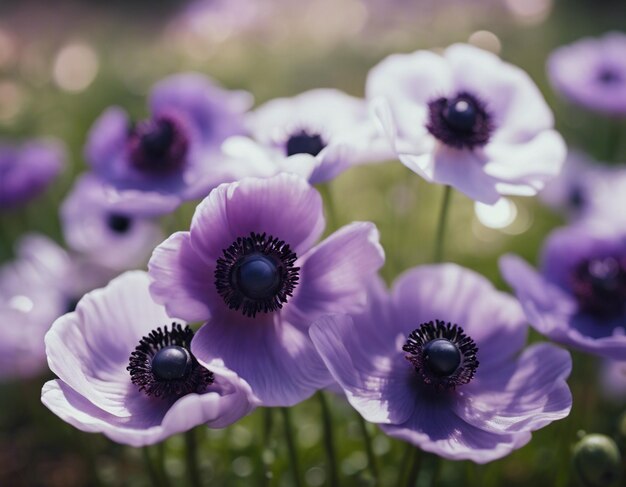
column 441, row 224
column 267, row 433
column 193, row 469
column 408, row 448
column 329, row 444
column 160, row 448
column 152, row 472
column 371, row 458
column 415, row 468
column 291, row 447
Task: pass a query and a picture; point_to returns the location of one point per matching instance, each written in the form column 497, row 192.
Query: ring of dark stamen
column 426, row 333
column 140, row 365
column 274, row 249
column 438, row 125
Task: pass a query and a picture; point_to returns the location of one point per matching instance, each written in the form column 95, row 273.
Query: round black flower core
column 256, row 274
column 442, row 354
column 599, row 285
column 303, row 142
column 119, row 223
column 162, row 365
column 172, row 363
column 461, row 122
column 159, row 145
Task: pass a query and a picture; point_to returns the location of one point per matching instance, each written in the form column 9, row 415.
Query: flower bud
column 597, row 461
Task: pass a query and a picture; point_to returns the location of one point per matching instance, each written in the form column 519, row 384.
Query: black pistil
column 442, row 354
column 256, row 274
column 162, row 365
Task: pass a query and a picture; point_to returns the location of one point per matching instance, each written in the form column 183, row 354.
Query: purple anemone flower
column 174, row 155
column 441, row 363
column 126, row 370
column 317, row 134
column 30, row 300
column 96, row 228
column 592, row 72
column 578, row 295
column 248, row 268
column 27, row 171
column 587, row 189
column 38, row 286
column 467, row 119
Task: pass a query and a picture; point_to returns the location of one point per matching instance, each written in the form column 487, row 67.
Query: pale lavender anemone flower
column 125, row 370
column 578, row 295
column 467, row 119
column 441, row 363
column 97, row 228
column 592, row 72
column 587, row 189
column 38, row 286
column 249, row 266
column 317, row 134
column 28, row 170
column 174, row 155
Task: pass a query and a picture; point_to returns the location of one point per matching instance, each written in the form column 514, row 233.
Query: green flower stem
column 367, row 441
column 329, row 444
column 267, row 433
column 193, row 469
column 153, row 475
column 441, row 225
column 291, row 447
column 416, row 463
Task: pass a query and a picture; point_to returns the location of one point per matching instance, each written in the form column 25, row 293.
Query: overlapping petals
column 89, row 351
column 270, row 350
column 513, row 393
column 518, row 153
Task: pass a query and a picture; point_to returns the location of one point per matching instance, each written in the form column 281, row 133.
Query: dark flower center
column 461, row 122
column 172, row 363
column 119, row 223
column 609, row 76
column 159, row 145
column 162, row 365
column 577, row 197
column 303, row 142
column 599, row 286
column 442, row 354
column 256, row 274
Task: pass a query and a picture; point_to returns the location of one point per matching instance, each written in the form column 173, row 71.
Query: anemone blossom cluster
column 247, row 305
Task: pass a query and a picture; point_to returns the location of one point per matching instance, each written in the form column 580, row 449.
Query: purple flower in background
column 587, row 189
column 592, row 72
column 578, row 296
column 317, row 135
column 441, row 363
column 467, row 119
column 95, row 227
column 249, row 267
column 126, row 370
column 38, row 286
column 31, row 298
column 174, row 155
column 27, row 170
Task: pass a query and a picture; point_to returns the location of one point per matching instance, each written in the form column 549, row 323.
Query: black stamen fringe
column 140, row 364
column 441, row 129
column 430, row 331
column 268, row 246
